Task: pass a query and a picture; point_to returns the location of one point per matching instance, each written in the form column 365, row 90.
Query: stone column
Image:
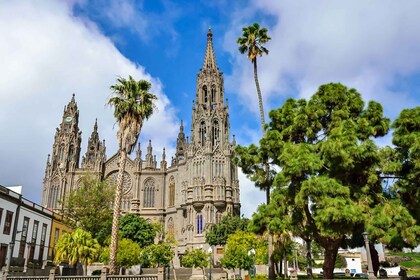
column 51, row 276
column 161, row 273
column 104, row 273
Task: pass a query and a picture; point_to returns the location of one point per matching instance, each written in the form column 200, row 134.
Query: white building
column 25, row 229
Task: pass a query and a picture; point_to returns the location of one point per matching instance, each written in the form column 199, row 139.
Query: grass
column 413, row 265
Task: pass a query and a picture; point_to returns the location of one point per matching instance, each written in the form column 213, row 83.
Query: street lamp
column 369, row 259
column 252, row 253
column 210, row 251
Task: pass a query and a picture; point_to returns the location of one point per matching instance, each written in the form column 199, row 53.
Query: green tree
column 154, row 255
column 137, row 229
column 128, row 253
column 133, row 103
column 89, row 207
column 78, row 246
column 340, row 262
column 328, row 183
column 269, row 216
column 402, row 163
column 219, row 233
column 240, row 251
column 195, row 258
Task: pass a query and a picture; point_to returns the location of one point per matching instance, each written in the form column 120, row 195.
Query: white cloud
column 47, row 54
column 251, row 197
column 366, row 45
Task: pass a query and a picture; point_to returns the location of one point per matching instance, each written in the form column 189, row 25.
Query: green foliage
column 328, row 185
column 136, row 228
column 340, row 261
column 219, row 233
column 404, row 161
column 197, row 258
column 89, row 207
column 393, row 225
column 132, row 104
column 252, row 41
column 78, row 246
column 238, row 253
column 154, row 255
column 127, row 255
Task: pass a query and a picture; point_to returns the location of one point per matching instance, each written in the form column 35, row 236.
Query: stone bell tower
column 65, row 156
column 213, row 188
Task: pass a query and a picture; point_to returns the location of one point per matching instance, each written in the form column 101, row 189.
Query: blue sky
column 52, row 49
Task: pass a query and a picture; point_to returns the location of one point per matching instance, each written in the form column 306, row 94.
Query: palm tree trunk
column 116, row 218
column 260, row 102
column 84, row 269
column 271, row 275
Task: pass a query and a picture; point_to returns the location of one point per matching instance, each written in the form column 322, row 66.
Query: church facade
column 187, row 194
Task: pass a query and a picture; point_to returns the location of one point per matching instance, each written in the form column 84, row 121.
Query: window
column 198, row 193
column 203, row 133
column 171, row 191
column 56, row 235
column 1, row 214
column 213, row 93
column 24, row 235
column 33, row 241
column 149, row 194
column 61, row 152
column 42, row 243
column 8, row 223
column 199, row 223
column 205, row 94
column 215, row 133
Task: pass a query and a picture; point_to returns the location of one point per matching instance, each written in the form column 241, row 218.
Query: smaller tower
column 95, row 155
column 180, row 144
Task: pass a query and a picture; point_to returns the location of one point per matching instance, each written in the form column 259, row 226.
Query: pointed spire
column 95, row 126
column 149, row 148
column 181, row 127
column 138, row 154
column 209, row 58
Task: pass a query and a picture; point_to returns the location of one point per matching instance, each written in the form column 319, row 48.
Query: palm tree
column 251, row 43
column 78, row 246
column 133, row 103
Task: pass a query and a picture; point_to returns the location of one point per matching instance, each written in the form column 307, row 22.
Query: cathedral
column 188, row 194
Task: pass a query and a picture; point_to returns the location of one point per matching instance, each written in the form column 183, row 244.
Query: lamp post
column 369, row 259
column 210, row 251
column 252, row 253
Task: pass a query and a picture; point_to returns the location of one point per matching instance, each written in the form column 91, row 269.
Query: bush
column 96, row 272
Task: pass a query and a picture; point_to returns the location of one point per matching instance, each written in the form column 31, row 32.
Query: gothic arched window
column 171, row 191
column 215, row 132
column 71, row 151
column 203, row 133
column 149, row 194
column 199, row 223
column 61, row 152
column 213, row 93
column 205, row 97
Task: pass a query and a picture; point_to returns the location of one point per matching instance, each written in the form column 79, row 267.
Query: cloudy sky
column 52, row 49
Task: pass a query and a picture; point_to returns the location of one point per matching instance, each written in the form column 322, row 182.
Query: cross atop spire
column 209, row 58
